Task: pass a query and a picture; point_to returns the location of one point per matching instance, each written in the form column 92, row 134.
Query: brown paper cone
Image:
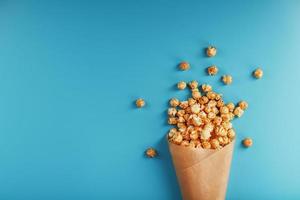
column 202, row 173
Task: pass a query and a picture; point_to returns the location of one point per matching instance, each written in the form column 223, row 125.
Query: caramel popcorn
column 247, row 142
column 211, row 51
column 184, row 66
column 238, row 111
column 193, row 84
column 174, row 102
column 206, row 88
column 151, row 152
column 212, row 70
column 227, row 79
column 140, row 103
column 203, row 121
column 243, row 105
column 181, row 85
column 258, row 73
column 206, row 145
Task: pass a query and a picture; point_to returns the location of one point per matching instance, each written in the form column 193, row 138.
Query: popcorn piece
column 181, row 85
column 193, row 84
column 171, row 133
column 211, row 51
column 227, row 79
column 227, row 125
column 211, row 95
column 258, row 73
column 174, row 102
column 220, row 131
column 224, row 110
column 151, row 153
column 217, row 120
column 215, row 144
column 218, row 97
column 184, row 66
column 212, row 103
column 230, row 106
column 205, row 133
column 211, row 115
column 243, row 105
column 206, row 88
column 184, row 104
column 203, row 100
column 238, row 111
column 172, row 112
column 196, row 120
column 247, row 142
column 231, row 134
column 194, row 135
column 191, row 101
column 206, row 145
column 220, row 103
column 177, row 138
column 172, row 120
column 196, row 94
column 140, row 103
column 195, row 108
column 212, row 70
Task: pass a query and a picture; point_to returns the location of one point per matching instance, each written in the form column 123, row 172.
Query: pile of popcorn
column 204, row 120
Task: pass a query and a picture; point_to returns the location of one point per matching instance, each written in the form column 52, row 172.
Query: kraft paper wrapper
column 202, row 173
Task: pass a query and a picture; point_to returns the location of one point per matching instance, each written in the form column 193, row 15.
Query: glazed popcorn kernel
column 195, row 108
column 212, row 70
column 203, row 100
column 196, row 120
column 206, row 88
column 194, row 135
column 211, row 115
column 206, row 145
column 247, row 142
column 151, row 153
column 171, row 133
column 181, row 85
column 230, row 106
column 177, row 138
column 217, row 120
column 243, row 105
column 231, row 134
column 172, row 120
column 227, row 125
column 211, row 95
column 193, row 84
column 140, row 103
column 174, row 102
column 215, row 144
column 172, row 112
column 184, row 66
column 211, row 51
column 196, row 94
column 220, row 103
column 227, row 79
column 184, row 104
column 238, row 111
column 224, row 110
column 212, row 103
column 180, row 113
column 258, row 73
column 220, row 131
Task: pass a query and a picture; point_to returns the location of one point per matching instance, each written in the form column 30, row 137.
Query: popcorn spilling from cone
column 204, row 120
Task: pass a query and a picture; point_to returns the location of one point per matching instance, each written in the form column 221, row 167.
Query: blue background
column 71, row 70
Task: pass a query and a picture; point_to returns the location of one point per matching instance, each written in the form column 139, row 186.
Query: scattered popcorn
column 181, row 85
column 174, row 102
column 151, row 152
column 212, row 70
column 238, row 111
column 184, row 66
column 247, row 142
column 227, row 79
column 243, row 105
column 230, row 106
column 211, row 51
column 140, row 103
column 258, row 73
column 206, row 88
column 196, row 94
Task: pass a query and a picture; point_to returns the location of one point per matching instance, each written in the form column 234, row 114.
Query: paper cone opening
column 202, row 173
